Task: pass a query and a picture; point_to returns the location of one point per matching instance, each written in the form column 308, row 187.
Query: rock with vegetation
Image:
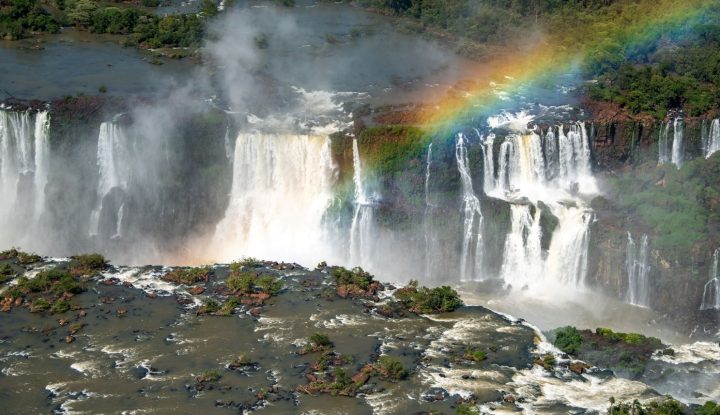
column 625, row 353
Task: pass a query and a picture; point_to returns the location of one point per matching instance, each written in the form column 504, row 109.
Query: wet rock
column 62, row 322
column 82, row 313
column 139, row 372
column 509, row 399
column 196, row 290
column 578, row 367
column 151, row 295
column 255, row 311
column 121, row 312
column 69, row 339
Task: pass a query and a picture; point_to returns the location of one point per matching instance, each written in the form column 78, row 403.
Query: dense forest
column 672, row 67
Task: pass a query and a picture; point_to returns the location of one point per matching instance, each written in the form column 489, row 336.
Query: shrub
column 229, row 306
column 39, row 305
column 188, row 276
column 269, row 284
column 321, row 340
column 392, row 368
column 476, row 355
column 242, row 282
column 426, row 300
column 568, row 339
column 210, row 306
column 357, row 276
column 212, row 375
column 90, row 261
column 710, row 408
column 60, row 306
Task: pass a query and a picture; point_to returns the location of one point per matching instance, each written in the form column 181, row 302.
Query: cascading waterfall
column 536, row 172
column 361, row 228
column 112, row 172
column 24, row 151
column 712, row 141
column 429, row 228
column 281, row 189
column 671, row 152
column 711, row 291
column 638, row 272
column 473, row 219
column 522, row 258
column 487, row 143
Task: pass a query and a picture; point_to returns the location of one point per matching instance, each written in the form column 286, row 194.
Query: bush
column 39, row 305
column 426, row 300
column 60, row 306
column 321, row 340
column 242, row 282
column 269, row 284
column 357, row 276
column 568, row 339
column 710, row 408
column 476, row 355
column 392, row 368
column 188, row 276
column 210, row 306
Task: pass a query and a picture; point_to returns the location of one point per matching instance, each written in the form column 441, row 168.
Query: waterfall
column 711, row 291
column 472, row 222
column 24, row 154
column 671, row 152
column 534, row 173
column 281, row 189
column 113, row 171
column 678, row 150
column 522, row 258
column 428, row 225
column 42, row 151
column 712, row 143
column 638, row 271
column 487, row 143
column 361, row 228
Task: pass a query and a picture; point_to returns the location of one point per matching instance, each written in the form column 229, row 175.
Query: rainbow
column 621, row 30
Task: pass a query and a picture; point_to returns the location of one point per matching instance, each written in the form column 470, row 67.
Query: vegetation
column 23, row 258
column 710, row 408
column 20, row 18
column 188, row 276
column 667, row 406
column 357, row 276
column 474, row 354
column 622, row 352
column 6, row 273
column 391, row 368
column 681, row 206
column 87, row 264
column 245, row 282
column 428, row 300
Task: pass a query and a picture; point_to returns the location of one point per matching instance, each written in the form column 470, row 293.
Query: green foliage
column 667, row 406
column 228, row 306
column 466, row 409
column 681, row 206
column 210, row 306
column 474, row 354
column 39, row 305
column 60, row 306
column 18, row 18
column 392, row 368
column 212, row 375
column 386, row 149
column 242, row 282
column 188, row 276
column 87, row 264
column 425, row 300
column 629, row 338
column 357, row 276
column 320, row 340
column 269, row 284
column 568, row 339
column 6, row 273
column 58, row 280
column 710, row 408
column 246, row 282
column 341, row 378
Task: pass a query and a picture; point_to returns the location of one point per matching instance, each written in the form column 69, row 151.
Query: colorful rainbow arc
column 630, row 26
